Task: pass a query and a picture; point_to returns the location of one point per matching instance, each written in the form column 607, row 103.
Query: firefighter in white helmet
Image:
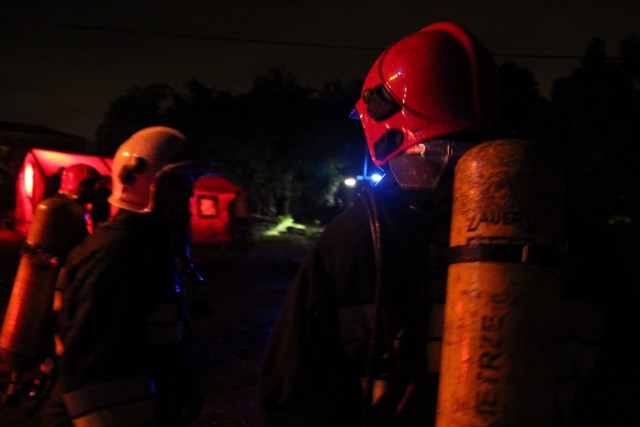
column 122, row 349
column 357, row 341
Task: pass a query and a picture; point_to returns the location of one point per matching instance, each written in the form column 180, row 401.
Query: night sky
column 63, row 61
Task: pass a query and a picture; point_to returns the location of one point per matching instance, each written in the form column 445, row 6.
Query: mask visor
column 421, row 167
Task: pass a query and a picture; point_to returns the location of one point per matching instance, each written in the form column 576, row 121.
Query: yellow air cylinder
column 27, row 333
column 503, row 289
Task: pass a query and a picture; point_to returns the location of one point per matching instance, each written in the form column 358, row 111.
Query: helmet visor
column 380, row 104
column 421, row 167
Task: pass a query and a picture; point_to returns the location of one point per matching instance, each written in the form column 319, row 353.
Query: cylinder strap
column 37, row 254
column 535, row 254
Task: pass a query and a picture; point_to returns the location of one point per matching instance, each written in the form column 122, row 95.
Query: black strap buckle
column 37, row 254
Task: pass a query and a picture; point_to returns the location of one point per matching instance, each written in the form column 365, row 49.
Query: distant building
column 16, row 140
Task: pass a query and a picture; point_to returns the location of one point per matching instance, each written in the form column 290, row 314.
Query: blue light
column 373, row 178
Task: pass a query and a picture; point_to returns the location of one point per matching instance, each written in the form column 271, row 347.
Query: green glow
column 285, row 222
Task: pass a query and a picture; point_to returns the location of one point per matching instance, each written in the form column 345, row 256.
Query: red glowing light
column 28, row 179
column 208, row 206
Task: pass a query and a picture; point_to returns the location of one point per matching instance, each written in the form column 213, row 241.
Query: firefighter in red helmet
column 84, row 184
column 78, row 181
column 122, row 341
column 357, row 341
column 437, row 82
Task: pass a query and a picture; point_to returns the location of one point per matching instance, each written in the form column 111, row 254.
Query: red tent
column 39, row 178
column 210, row 209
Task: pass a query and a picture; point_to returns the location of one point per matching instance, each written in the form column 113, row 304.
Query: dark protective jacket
column 124, row 358
column 319, row 355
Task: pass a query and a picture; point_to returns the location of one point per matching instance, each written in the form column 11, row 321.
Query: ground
column 245, row 290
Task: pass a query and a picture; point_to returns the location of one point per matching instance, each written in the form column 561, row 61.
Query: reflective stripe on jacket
column 121, row 403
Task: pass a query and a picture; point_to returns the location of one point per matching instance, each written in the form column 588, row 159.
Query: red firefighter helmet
column 432, row 83
column 78, row 180
column 146, row 156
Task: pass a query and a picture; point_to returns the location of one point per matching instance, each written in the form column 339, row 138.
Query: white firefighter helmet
column 145, row 157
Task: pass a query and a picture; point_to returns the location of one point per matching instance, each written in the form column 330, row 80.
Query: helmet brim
column 191, row 167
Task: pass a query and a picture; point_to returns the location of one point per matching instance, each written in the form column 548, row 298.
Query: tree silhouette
column 288, row 144
column 596, row 112
column 140, row 107
column 525, row 113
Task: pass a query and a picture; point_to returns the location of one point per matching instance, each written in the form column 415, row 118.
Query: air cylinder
column 500, row 343
column 27, row 335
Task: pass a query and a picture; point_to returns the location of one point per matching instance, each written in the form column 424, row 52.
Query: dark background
column 245, row 290
column 64, row 61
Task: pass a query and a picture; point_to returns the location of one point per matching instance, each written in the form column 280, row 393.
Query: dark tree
column 525, row 113
column 206, row 116
column 287, row 144
column 630, row 57
column 596, row 110
column 292, row 144
column 140, row 107
column 271, row 139
column 335, row 151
